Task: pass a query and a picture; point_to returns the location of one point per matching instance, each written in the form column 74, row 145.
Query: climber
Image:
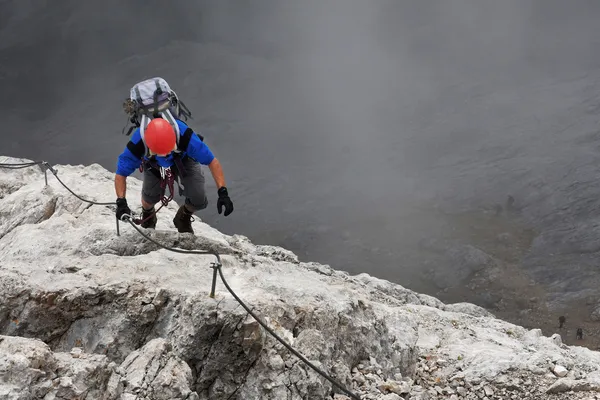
column 160, row 151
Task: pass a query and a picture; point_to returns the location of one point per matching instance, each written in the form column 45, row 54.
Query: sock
column 148, row 209
column 188, row 209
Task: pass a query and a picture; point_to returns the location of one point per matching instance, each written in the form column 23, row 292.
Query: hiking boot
column 151, row 222
column 183, row 220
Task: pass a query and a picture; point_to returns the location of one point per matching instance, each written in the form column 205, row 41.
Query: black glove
column 224, row 200
column 122, row 208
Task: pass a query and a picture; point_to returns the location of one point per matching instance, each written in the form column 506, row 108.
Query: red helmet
column 160, row 137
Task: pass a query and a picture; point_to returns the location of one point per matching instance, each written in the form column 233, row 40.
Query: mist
column 343, row 126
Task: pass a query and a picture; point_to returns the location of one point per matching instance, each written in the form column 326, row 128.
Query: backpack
column 154, row 98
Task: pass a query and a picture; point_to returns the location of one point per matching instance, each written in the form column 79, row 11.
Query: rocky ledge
column 87, row 314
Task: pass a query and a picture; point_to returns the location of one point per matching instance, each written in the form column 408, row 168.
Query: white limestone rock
column 560, row 371
column 155, row 372
column 27, row 368
column 120, row 316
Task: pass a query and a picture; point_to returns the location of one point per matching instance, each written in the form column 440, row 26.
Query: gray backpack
column 154, row 98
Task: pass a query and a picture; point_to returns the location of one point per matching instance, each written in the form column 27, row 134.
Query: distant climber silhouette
column 561, row 321
column 497, row 210
column 579, row 334
column 510, row 205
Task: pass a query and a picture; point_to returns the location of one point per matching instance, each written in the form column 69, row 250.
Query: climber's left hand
column 225, row 201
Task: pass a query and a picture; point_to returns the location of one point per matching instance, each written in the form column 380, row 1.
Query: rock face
column 31, row 370
column 87, row 314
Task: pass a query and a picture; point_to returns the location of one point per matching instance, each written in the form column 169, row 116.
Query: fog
column 342, row 125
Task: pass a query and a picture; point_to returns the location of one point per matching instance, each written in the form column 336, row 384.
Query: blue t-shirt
column 197, row 150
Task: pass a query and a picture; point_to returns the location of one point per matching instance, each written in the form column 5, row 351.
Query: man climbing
column 162, row 152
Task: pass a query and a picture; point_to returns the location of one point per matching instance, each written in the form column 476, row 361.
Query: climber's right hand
column 123, row 209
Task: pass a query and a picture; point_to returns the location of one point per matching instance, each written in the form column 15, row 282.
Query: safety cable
column 74, row 194
column 290, row 348
column 216, row 266
column 21, row 165
column 214, row 253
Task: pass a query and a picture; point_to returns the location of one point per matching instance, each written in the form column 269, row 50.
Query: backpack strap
column 185, row 139
column 179, row 108
column 138, row 96
column 138, row 149
column 166, row 115
column 169, row 117
column 157, row 92
column 143, row 124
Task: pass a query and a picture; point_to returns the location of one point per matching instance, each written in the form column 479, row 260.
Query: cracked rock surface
column 87, row 314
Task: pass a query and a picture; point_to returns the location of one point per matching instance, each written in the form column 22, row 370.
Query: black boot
column 183, row 220
column 151, row 222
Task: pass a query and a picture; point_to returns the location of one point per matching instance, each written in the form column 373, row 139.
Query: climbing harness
column 167, row 179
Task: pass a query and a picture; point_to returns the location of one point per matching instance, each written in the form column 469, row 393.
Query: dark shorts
column 193, row 186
